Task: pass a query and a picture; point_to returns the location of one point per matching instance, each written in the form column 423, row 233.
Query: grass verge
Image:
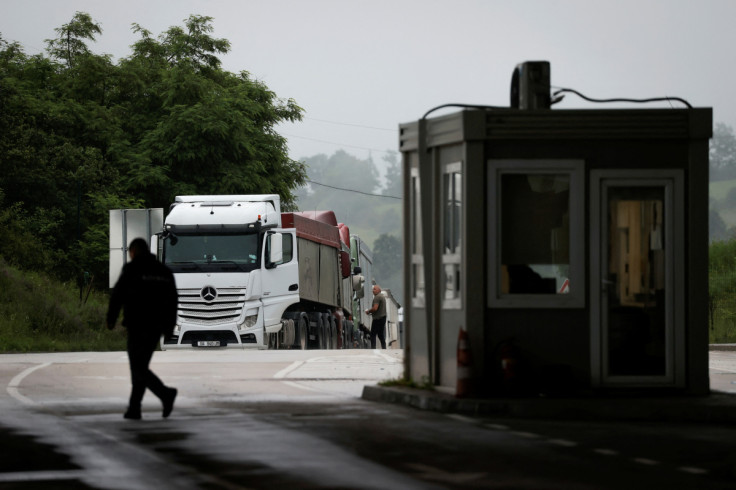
column 40, row 314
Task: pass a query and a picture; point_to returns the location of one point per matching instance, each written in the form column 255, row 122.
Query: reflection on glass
column 452, row 184
column 636, row 282
column 416, row 216
column 535, row 233
column 418, row 280
column 452, row 281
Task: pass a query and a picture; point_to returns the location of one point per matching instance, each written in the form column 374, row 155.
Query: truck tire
column 302, row 334
column 348, row 334
column 322, row 335
column 329, row 329
column 333, row 332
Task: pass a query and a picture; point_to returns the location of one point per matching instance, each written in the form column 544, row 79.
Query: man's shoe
column 169, row 402
column 132, row 414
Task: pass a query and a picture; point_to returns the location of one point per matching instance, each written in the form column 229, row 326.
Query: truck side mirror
column 275, row 250
column 358, row 286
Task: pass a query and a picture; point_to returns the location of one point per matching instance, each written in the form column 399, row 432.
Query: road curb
column 715, row 408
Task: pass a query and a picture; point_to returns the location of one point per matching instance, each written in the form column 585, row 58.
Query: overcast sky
column 359, row 68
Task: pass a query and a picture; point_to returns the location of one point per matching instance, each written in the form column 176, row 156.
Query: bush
column 40, row 314
column 722, row 291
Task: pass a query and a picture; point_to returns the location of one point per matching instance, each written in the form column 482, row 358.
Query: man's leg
column 140, row 352
column 139, row 358
column 382, row 332
column 374, row 332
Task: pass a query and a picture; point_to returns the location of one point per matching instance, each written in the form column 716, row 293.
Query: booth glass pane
column 535, row 233
column 635, row 282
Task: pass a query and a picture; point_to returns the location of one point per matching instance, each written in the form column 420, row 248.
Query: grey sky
column 361, row 67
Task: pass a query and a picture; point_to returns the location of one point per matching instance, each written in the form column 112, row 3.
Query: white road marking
column 12, row 388
column 436, row 474
column 27, row 476
column 646, row 461
column 303, row 387
column 496, row 426
column 294, row 365
column 528, row 435
column 563, row 442
column 385, row 357
column 606, row 452
column 460, row 418
column 692, row 470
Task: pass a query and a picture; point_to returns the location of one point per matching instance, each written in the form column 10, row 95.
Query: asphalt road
column 294, row 419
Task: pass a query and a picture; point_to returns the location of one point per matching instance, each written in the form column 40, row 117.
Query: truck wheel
column 330, row 331
column 333, row 333
column 322, row 333
column 348, row 329
column 303, row 339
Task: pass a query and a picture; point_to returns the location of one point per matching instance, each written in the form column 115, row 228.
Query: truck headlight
column 250, row 320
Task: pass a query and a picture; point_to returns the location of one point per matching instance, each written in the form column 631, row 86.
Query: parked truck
column 362, row 260
column 250, row 276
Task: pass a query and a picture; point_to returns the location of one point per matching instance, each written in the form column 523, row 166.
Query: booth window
column 415, row 226
column 452, row 233
column 536, row 243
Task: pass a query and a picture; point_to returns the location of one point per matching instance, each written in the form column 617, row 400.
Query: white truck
column 249, row 276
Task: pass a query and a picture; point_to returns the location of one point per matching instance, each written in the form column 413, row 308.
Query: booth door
column 637, row 278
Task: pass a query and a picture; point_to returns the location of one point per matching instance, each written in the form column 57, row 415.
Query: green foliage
column 723, row 153
column 69, row 44
column 722, row 291
column 80, row 135
column 424, row 384
column 393, row 175
column 367, row 213
column 387, row 264
column 41, row 314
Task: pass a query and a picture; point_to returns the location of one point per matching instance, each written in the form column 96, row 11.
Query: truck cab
column 235, row 268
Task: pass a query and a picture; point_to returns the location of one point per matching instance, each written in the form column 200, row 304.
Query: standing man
column 147, row 294
column 378, row 310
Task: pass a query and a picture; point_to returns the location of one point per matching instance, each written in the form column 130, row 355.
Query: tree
column 394, row 173
column 723, row 153
column 80, row 135
column 388, row 265
column 69, row 44
column 717, row 228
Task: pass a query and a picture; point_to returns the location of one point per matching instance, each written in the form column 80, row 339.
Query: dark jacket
column 146, row 292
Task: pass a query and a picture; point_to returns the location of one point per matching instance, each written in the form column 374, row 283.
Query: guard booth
column 572, row 245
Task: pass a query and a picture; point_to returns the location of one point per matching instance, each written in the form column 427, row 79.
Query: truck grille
column 226, row 307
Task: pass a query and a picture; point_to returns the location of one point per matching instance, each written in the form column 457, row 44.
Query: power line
column 353, row 190
column 350, row 124
column 337, row 144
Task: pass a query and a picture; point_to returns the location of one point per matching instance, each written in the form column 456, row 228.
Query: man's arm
column 373, row 308
column 117, row 298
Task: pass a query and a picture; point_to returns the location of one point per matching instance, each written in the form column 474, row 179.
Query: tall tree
column 80, row 135
column 723, row 153
column 387, row 264
column 69, row 44
column 394, row 173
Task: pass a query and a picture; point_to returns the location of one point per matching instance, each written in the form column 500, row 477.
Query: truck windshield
column 212, row 253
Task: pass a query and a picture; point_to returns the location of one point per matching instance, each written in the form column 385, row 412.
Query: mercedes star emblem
column 208, row 293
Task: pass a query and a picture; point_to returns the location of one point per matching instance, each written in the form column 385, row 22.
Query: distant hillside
column 719, row 190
